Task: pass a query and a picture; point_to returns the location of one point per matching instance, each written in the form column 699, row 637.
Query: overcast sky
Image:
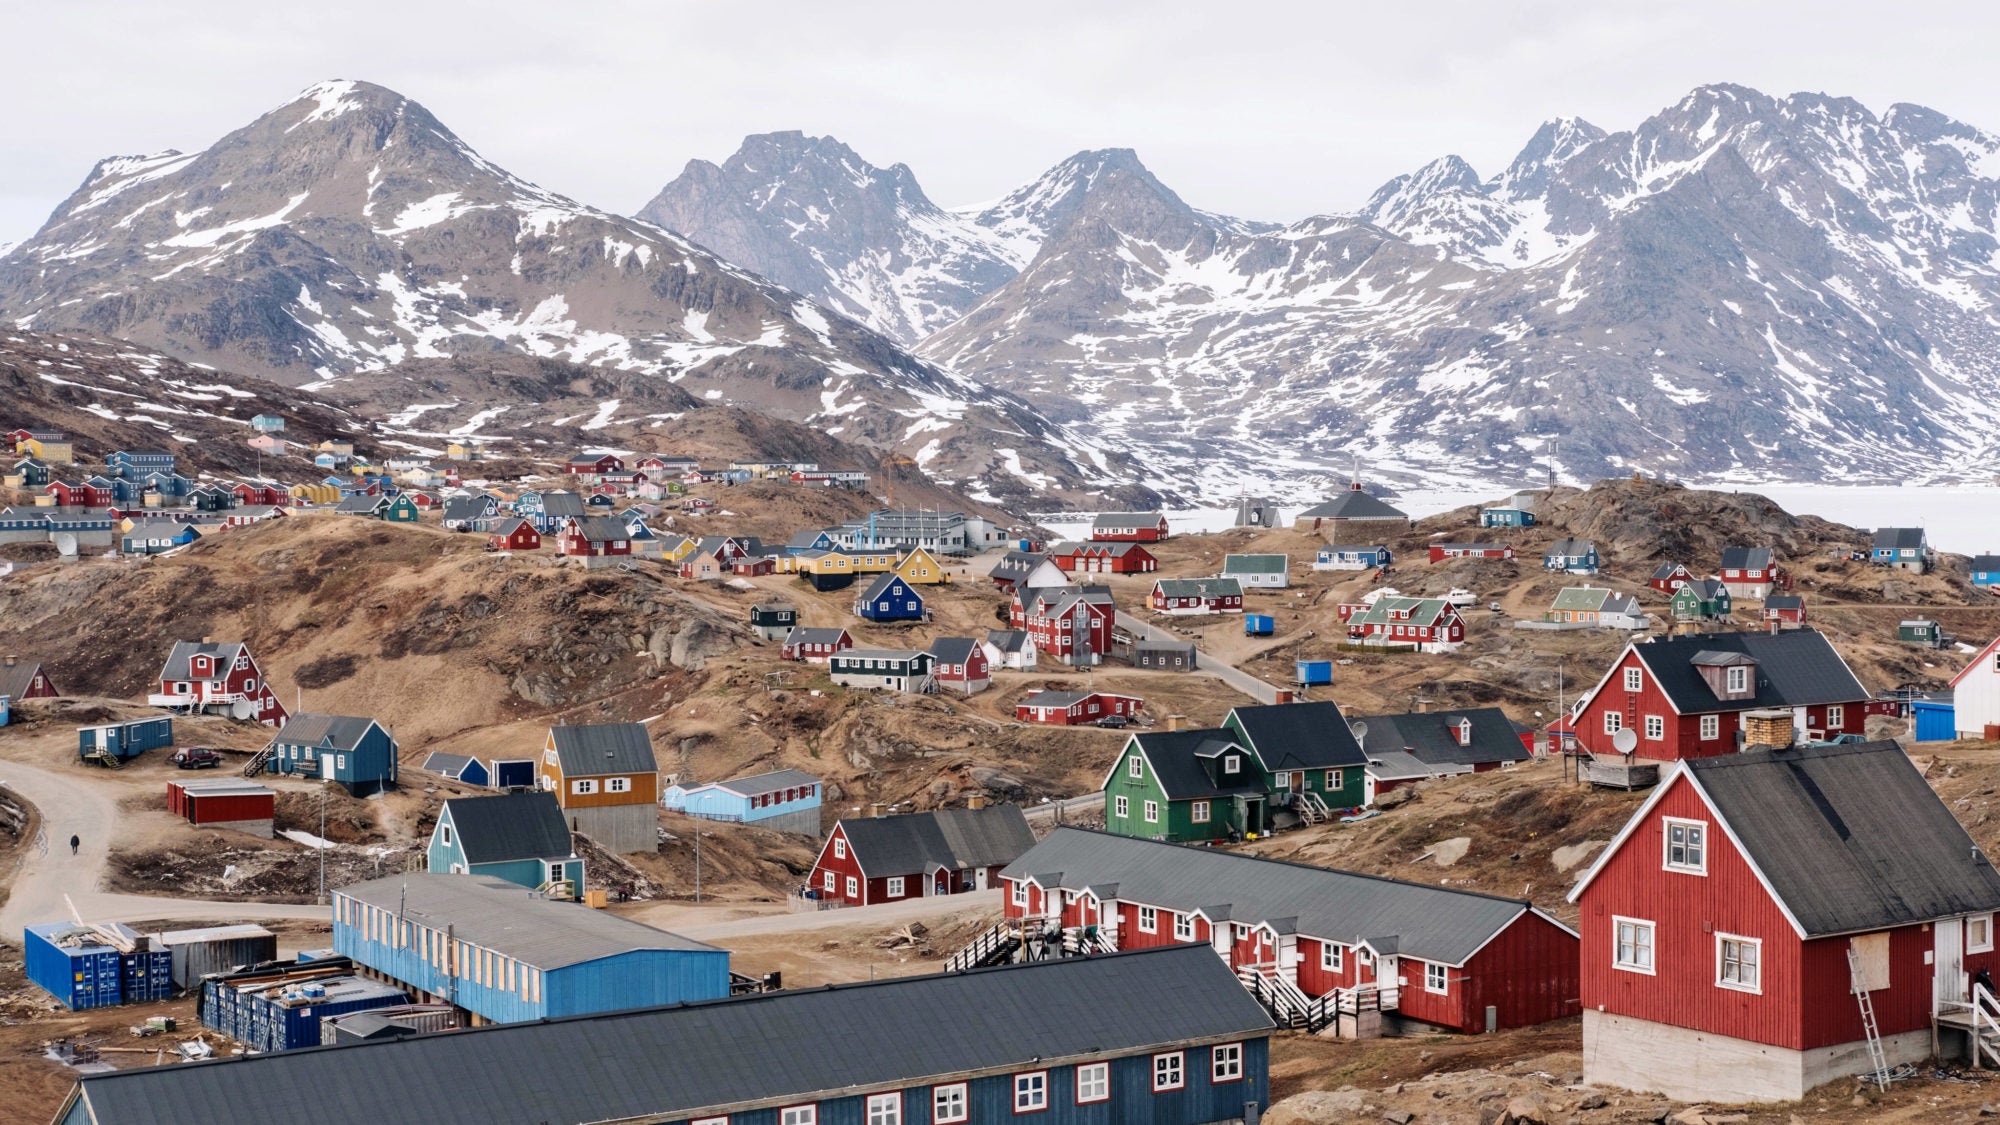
column 1265, row 110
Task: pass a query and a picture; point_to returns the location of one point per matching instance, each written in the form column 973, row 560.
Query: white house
column 1009, row 648
column 1975, row 693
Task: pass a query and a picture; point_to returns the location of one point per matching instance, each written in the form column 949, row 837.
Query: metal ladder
column 1869, row 1029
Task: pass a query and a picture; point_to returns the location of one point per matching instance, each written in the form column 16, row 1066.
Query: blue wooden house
column 809, row 541
column 1502, row 516
column 519, row 837
column 1986, row 570
column 1571, row 556
column 1353, row 558
column 169, row 484
column 458, row 767
column 151, row 537
column 136, row 463
column 357, row 752
column 510, row 957
column 328, row 460
column 1906, row 548
column 268, row 424
column 34, row 473
column 889, row 598
column 787, row 800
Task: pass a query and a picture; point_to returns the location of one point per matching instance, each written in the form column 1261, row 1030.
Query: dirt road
column 71, row 806
column 1205, row 663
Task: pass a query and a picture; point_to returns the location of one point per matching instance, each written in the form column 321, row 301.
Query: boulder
column 1318, row 1107
column 1396, row 797
column 696, row 642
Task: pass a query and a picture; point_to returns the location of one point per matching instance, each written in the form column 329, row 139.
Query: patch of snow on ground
column 605, row 411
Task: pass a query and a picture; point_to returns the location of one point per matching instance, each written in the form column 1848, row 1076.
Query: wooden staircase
column 257, row 761
column 1282, row 998
column 1312, row 808
column 1976, row 1019
column 995, row 946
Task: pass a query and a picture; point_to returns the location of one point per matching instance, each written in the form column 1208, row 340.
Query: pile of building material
column 280, row 1008
column 216, row 950
column 97, row 966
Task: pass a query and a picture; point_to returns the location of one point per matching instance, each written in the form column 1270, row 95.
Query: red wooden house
column 594, row 537
column 1688, row 696
column 815, row 646
column 1670, row 577
column 515, row 535
column 585, row 465
column 1426, row 956
column 1071, row 624
column 1196, row 596
column 1128, row 527
column 1730, row 927
column 1443, row 551
column 961, row 665
column 233, row 803
column 1749, row 572
column 1076, row 708
column 1787, row 611
column 204, row 675
column 1104, row 558
column 81, row 494
column 25, row 679
column 875, row 859
column 755, row 566
column 269, row 495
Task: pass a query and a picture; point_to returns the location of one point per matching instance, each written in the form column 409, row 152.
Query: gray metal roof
column 1304, row 736
column 1746, row 558
column 1353, row 504
column 1850, row 837
column 1795, row 668
column 767, row 782
column 511, row 919
column 1429, row 922
column 335, row 732
column 1254, row 564
column 360, row 503
column 177, row 660
column 602, row 529
column 1007, row 640
column 1570, row 549
column 800, row 635
column 1784, row 601
column 466, row 507
column 954, row 650
column 1898, row 538
column 600, row 748
column 561, row 502
column 957, row 839
column 447, row 765
column 15, row 677
column 509, row 526
column 1432, row 737
column 720, row 1056
column 510, row 826
column 1126, row 519
column 1200, row 587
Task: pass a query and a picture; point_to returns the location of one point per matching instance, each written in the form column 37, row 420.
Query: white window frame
column 885, row 1109
column 1836, row 716
column 723, row 1120
column 1225, row 1063
column 1755, row 962
column 1135, row 766
column 949, row 1104
column 1020, row 892
column 1736, row 678
column 1982, row 945
column 1152, row 812
column 1651, row 944
column 618, row 785
column 1231, row 764
column 1031, row 1091
column 1437, row 978
column 1121, row 807
column 1711, row 727
column 1656, row 727
column 853, row 887
column 1635, row 679
column 1614, row 721
column 830, row 882
column 1332, row 957
column 892, row 887
column 1333, row 781
column 1093, row 1083
column 1667, row 826
column 583, row 786
column 1169, row 1071
column 840, row 847
column 1198, row 812
column 1183, row 927
column 799, row 1115
column 1149, row 920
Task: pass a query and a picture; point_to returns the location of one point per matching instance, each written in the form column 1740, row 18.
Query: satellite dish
column 1360, row 731
column 66, row 544
column 241, row 709
column 1625, row 741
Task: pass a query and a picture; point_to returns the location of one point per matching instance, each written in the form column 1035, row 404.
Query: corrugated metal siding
column 221, row 808
column 1686, row 911
column 1529, row 973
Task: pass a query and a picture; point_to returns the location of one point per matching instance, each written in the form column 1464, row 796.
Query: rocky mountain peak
column 1549, row 149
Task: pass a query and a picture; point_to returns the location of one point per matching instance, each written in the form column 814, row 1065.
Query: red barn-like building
column 1729, row 927
column 584, row 465
column 1128, row 527
column 1071, row 624
column 1075, row 708
column 25, row 679
column 515, row 535
column 204, row 675
column 1686, row 696
column 1104, row 558
column 1425, row 956
column 876, row 859
column 1670, row 577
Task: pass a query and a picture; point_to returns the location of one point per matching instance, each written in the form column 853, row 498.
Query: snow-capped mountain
column 348, row 230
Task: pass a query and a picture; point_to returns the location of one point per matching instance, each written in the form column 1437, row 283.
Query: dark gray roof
column 806, row 538
column 1184, row 648
column 1850, row 837
column 1175, row 757
column 1015, row 565
column 1570, row 548
column 1300, row 736
column 602, row 529
column 15, row 678
column 1795, row 668
column 599, row 748
column 1432, row 737
column 1353, row 504
column 1898, row 538
column 1746, row 558
column 1784, row 601
column 465, row 507
column 177, row 660
column 509, row 526
column 1126, row 519
column 561, row 502
column 338, row 732
column 881, row 586
column 509, row 918
column 1667, row 569
column 1200, row 587
column 957, row 839
column 510, row 826
column 1007, row 640
column 767, row 782
column 1254, row 564
column 673, row 1063
column 1983, row 563
column 446, row 765
column 360, row 503
column 954, row 650
column 1429, row 922
column 1064, row 699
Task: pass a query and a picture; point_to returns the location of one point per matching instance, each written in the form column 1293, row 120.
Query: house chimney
column 1176, row 722
column 1768, row 727
column 877, row 810
column 975, row 800
column 208, row 640
column 11, row 659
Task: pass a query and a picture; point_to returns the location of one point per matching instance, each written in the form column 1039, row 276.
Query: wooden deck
column 1619, row 775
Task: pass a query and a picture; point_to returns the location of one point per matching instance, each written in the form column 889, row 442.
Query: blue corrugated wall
column 1936, row 722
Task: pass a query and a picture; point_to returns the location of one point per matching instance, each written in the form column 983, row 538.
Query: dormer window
column 1737, row 678
column 1465, row 732
column 1231, row 763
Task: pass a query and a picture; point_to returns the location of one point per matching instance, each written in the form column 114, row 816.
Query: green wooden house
column 1186, row 786
column 1704, row 599
column 1922, row 631
column 1303, row 748
column 401, row 509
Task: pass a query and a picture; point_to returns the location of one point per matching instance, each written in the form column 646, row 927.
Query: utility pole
column 697, row 862
column 322, row 839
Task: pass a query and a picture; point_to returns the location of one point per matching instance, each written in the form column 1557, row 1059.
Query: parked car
column 1462, row 598
column 1114, row 721
column 197, row 758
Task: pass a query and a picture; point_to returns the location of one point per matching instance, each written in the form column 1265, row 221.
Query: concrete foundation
column 1696, row 1066
column 619, row 828
column 253, row 827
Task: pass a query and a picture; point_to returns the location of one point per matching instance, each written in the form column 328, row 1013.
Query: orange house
column 607, row 781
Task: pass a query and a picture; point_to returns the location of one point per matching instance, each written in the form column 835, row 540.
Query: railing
column 255, row 765
column 1984, row 1024
column 991, row 947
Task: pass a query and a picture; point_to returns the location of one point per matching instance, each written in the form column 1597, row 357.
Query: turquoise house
column 787, row 800
column 519, row 837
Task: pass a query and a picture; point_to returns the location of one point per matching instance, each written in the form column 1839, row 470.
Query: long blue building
column 506, row 954
column 1163, row 1036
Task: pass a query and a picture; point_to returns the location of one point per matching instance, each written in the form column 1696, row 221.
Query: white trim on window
column 1711, row 727
column 723, row 1120
column 1135, row 766
column 1031, row 1091
column 853, row 886
column 1152, row 812
column 1093, row 1083
column 1635, row 680
column 1614, row 721
column 799, row 1115
column 1332, row 957
column 1836, row 716
column 1183, row 927
column 1687, row 839
column 840, row 847
column 1225, row 1062
column 1437, row 979
column 885, row 1109
column 1739, row 963
column 1979, row 933
column 1198, row 812
column 1632, row 948
column 1149, row 920
column 1656, row 727
column 892, row 887
column 1020, row 892
column 1169, row 1071
column 948, row 1104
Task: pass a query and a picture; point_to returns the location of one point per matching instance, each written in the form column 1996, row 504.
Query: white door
column 1950, row 967
column 979, row 879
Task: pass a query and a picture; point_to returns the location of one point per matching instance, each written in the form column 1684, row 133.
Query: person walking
column 74, row 843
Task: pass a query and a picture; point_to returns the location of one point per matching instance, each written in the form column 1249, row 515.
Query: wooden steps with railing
column 257, row 761
column 994, row 946
column 1976, row 1018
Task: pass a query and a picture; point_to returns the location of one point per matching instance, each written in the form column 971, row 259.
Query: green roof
column 1581, row 597
column 1254, row 564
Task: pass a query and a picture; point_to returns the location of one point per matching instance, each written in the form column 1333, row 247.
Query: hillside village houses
column 1594, row 605
column 881, row 858
column 221, row 677
column 607, row 781
column 1749, row 572
column 1430, row 625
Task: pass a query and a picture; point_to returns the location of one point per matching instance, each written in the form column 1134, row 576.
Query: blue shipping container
column 1315, row 671
column 127, row 739
column 1259, row 625
column 513, row 773
column 1936, row 720
column 84, row 975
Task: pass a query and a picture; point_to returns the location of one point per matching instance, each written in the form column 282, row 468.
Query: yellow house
column 53, row 452
column 315, row 493
column 339, row 447
column 462, row 451
column 674, row 550
column 921, row 568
